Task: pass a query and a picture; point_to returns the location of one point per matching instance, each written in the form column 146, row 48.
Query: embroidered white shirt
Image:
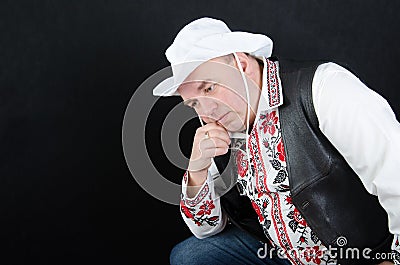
column 345, row 106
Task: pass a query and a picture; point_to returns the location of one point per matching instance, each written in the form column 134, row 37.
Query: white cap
column 204, row 39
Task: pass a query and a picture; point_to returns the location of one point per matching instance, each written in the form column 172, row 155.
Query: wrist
column 198, row 166
column 197, row 177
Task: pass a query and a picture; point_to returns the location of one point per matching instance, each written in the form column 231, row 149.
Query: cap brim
column 167, row 87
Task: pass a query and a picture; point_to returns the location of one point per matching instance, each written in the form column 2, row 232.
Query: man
column 313, row 150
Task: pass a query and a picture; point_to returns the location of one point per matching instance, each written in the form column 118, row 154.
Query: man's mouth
column 222, row 119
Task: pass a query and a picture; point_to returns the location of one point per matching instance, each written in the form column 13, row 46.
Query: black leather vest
column 324, row 188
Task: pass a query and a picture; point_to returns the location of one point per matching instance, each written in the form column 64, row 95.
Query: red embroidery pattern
column 241, row 164
column 258, row 211
column 261, row 173
column 203, row 215
column 185, row 177
column 273, row 84
column 270, row 121
column 206, row 208
column 280, row 229
column 274, row 147
column 313, row 254
column 281, row 151
column 261, row 187
column 396, row 250
column 201, row 195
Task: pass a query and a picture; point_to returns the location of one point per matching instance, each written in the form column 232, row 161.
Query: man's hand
column 386, row 263
column 209, row 141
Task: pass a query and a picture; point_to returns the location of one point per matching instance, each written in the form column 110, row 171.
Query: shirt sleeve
column 362, row 126
column 203, row 213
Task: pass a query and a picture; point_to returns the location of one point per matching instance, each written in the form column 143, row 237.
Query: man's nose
column 207, row 109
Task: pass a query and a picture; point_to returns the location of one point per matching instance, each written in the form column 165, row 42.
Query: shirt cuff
column 212, row 174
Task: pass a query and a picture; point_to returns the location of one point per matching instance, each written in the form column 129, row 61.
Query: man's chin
column 233, row 129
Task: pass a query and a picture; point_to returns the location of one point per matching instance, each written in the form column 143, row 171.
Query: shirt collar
column 271, row 93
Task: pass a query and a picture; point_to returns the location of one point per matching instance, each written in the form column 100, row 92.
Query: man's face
column 215, row 90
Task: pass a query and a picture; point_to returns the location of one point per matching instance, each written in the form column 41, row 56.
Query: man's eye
column 209, row 89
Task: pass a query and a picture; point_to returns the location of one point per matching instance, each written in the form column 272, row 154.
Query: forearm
column 201, row 210
column 196, row 180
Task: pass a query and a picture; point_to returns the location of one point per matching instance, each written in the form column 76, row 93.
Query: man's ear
column 243, row 59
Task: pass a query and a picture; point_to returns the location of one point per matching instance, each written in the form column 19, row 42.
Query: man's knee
column 176, row 255
column 187, row 252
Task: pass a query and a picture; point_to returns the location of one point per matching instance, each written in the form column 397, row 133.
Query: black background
column 68, row 70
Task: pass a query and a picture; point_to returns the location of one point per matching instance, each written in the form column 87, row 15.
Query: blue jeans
column 232, row 246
